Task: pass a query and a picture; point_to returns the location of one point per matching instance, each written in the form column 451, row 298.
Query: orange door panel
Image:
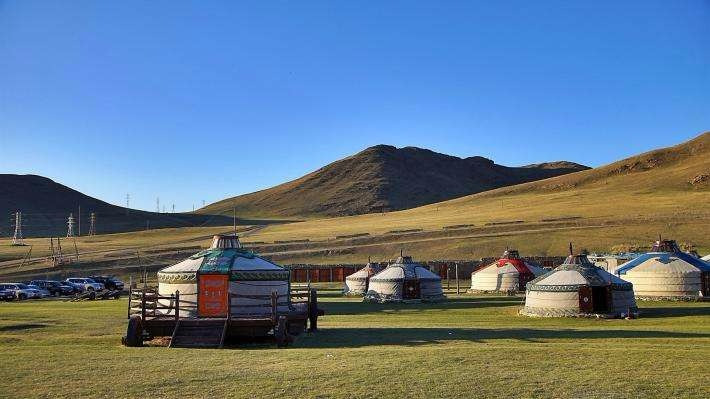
column 213, row 300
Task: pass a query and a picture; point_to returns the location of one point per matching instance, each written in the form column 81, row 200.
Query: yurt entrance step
column 199, row 333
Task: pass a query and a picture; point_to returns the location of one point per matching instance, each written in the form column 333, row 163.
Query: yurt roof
column 225, row 258
column 366, row 272
column 511, row 262
column 666, row 253
column 706, row 258
column 404, row 268
column 576, row 271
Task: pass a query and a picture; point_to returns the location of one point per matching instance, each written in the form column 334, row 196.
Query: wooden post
column 313, row 310
column 143, row 305
column 177, row 305
column 274, row 305
column 458, row 290
column 130, row 295
column 448, row 277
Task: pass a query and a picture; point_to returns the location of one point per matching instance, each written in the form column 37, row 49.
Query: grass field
column 465, row 347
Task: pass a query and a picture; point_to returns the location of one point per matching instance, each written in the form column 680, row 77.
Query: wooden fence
column 446, row 269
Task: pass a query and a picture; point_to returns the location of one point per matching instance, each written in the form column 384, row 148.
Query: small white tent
column 509, row 273
column 224, row 269
column 405, row 280
column 358, row 282
column 667, row 273
column 579, row 288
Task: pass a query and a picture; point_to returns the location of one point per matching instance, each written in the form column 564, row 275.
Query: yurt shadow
column 358, row 308
column 666, row 312
column 363, row 337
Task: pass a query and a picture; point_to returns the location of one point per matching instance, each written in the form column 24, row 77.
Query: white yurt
column 405, row 280
column 667, row 273
column 358, row 282
column 206, row 280
column 509, row 273
column 578, row 288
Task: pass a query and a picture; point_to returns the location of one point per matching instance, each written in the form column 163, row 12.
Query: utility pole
column 17, row 237
column 157, row 204
column 70, row 225
column 92, row 225
column 128, row 203
column 203, row 203
column 173, row 208
column 79, row 223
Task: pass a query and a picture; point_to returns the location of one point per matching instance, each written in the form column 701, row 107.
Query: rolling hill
column 631, row 201
column 384, row 178
column 46, row 204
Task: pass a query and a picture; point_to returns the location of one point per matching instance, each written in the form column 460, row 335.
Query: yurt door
column 601, row 299
column 411, row 289
column 213, row 297
column 585, row 299
column 706, row 283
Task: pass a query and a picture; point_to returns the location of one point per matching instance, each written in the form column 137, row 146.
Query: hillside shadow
column 665, row 312
column 362, row 337
column 356, row 308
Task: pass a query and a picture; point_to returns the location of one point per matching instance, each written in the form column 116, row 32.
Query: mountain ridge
column 384, row 178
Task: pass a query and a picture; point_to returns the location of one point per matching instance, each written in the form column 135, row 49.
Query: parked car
column 21, row 291
column 110, row 282
column 55, row 288
column 42, row 292
column 6, row 295
column 85, row 284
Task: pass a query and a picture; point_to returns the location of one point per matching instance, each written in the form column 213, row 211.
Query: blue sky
column 195, row 101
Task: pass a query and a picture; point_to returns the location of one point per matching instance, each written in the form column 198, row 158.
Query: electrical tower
column 70, row 225
column 92, row 225
column 157, row 204
column 17, row 237
column 128, row 200
column 173, row 208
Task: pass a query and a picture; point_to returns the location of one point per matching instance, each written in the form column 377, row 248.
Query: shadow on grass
column 355, row 308
column 665, row 312
column 362, row 337
column 22, row 327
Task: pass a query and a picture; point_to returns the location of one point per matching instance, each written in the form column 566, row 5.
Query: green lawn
column 465, row 347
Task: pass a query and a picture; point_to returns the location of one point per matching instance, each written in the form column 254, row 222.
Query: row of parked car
column 36, row 289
